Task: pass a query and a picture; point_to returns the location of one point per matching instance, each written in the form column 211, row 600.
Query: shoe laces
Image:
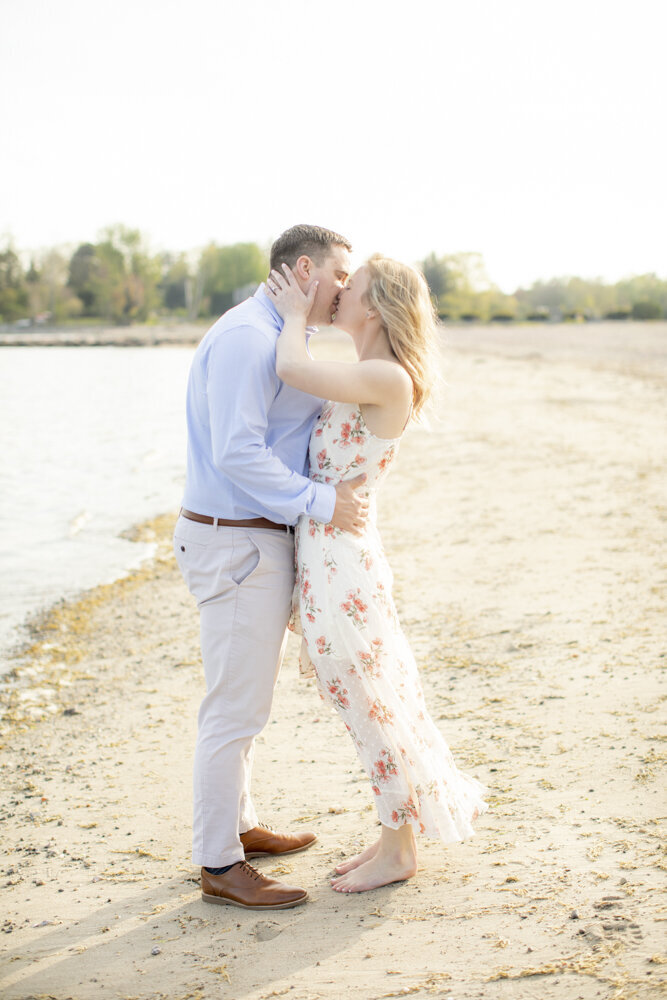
column 265, row 826
column 248, row 869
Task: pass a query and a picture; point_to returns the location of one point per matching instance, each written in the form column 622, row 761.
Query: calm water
column 93, row 441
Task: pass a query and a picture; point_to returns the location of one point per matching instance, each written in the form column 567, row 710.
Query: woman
column 363, row 663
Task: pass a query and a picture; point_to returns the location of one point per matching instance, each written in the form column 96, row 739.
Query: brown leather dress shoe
column 244, row 886
column 262, row 842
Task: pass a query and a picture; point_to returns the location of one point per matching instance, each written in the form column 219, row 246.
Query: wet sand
column 526, row 531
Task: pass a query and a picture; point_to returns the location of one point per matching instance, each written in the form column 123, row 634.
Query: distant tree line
column 117, row 280
column 462, row 290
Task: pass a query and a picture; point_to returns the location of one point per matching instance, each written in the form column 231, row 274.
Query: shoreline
column 141, row 335
column 559, row 339
column 524, row 533
column 43, row 661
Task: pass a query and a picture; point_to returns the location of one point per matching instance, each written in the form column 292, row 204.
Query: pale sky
column 531, row 131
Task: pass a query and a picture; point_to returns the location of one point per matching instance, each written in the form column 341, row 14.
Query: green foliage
column 117, row 280
column 13, row 291
column 437, row 274
column 646, row 309
column 50, row 295
column 82, row 268
column 643, row 296
column 618, row 314
column 572, row 297
column 226, row 269
column 175, row 275
column 462, row 289
column 127, row 278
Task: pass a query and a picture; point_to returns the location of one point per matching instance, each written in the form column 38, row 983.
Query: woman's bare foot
column 358, row 859
column 392, row 859
column 379, row 870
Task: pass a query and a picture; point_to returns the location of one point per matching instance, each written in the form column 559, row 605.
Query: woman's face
column 352, row 304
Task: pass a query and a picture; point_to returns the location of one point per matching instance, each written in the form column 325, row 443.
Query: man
column 246, row 484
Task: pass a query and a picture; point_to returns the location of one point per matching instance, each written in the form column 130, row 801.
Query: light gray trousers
column 242, row 581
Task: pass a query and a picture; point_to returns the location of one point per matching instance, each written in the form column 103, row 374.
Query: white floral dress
column 353, row 641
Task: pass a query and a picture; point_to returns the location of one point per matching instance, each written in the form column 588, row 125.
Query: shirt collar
column 264, row 300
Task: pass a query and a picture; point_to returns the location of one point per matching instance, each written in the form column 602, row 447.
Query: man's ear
column 303, row 267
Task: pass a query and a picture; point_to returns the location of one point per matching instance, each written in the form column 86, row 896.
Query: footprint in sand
column 611, row 923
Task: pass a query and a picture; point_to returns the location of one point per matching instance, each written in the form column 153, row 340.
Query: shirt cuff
column 322, row 507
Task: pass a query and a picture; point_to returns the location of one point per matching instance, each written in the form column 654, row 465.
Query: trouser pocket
column 245, row 559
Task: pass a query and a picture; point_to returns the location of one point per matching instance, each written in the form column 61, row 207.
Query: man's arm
column 241, row 384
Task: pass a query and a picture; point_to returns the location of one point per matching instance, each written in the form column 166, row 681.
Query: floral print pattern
column 371, row 660
column 338, row 693
column 383, row 770
column 354, row 607
column 354, row 645
column 352, row 431
column 405, row 812
column 308, row 605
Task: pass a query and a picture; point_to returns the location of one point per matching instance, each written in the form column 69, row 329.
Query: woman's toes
column 374, row 874
column 357, row 860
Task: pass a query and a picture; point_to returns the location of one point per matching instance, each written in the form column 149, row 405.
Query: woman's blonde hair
column 401, row 297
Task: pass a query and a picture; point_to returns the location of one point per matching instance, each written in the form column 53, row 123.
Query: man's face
column 332, row 275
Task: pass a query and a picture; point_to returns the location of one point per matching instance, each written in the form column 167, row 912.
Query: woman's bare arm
column 372, row 381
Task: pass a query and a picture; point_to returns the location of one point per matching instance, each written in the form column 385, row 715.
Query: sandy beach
column 526, row 531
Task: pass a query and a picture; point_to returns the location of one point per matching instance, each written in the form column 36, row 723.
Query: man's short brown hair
column 311, row 241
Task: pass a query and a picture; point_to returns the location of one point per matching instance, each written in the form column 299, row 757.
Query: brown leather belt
column 252, row 522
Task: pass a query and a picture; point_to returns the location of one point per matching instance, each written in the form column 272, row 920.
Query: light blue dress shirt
column 248, row 432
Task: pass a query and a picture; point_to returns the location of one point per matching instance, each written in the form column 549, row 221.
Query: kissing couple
column 278, row 526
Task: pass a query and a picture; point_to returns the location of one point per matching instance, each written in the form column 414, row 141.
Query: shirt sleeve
column 241, row 385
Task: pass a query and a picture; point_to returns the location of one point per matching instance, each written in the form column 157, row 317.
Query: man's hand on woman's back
column 351, row 510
